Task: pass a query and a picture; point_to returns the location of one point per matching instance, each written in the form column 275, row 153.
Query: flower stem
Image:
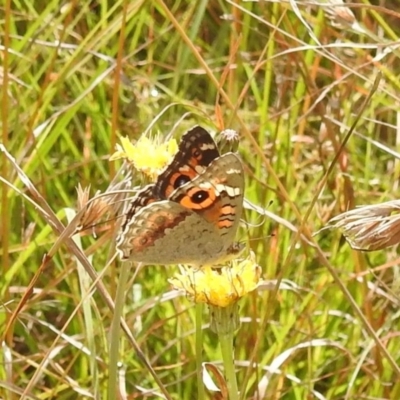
column 114, row 355
column 224, row 322
column 199, row 351
column 226, row 342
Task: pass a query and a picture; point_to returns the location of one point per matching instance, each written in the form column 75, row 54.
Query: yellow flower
column 147, row 156
column 219, row 287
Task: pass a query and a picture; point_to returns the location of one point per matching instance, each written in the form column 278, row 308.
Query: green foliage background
column 291, row 78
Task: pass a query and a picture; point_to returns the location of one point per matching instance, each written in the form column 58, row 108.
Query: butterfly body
column 191, row 214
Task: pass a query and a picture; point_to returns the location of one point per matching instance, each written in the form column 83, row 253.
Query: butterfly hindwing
column 167, row 233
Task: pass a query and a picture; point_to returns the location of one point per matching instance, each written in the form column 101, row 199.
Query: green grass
column 79, row 76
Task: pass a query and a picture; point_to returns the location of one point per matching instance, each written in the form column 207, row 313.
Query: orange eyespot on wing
column 197, row 198
column 214, row 207
column 197, row 150
column 178, row 179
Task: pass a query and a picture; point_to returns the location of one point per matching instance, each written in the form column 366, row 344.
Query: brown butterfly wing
column 197, row 150
column 167, row 233
column 198, row 222
column 143, row 197
column 216, row 195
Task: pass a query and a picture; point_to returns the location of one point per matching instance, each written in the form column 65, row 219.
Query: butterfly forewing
column 197, row 150
column 216, row 195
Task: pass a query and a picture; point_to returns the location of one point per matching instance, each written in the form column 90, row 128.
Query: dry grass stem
column 372, row 227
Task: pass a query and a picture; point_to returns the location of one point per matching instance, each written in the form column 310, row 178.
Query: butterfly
column 190, row 215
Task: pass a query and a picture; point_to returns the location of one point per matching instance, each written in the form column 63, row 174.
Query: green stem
column 224, row 321
column 199, row 351
column 226, row 342
column 115, row 331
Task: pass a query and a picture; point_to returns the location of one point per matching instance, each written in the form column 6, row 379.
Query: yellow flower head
column 219, row 287
column 147, row 156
